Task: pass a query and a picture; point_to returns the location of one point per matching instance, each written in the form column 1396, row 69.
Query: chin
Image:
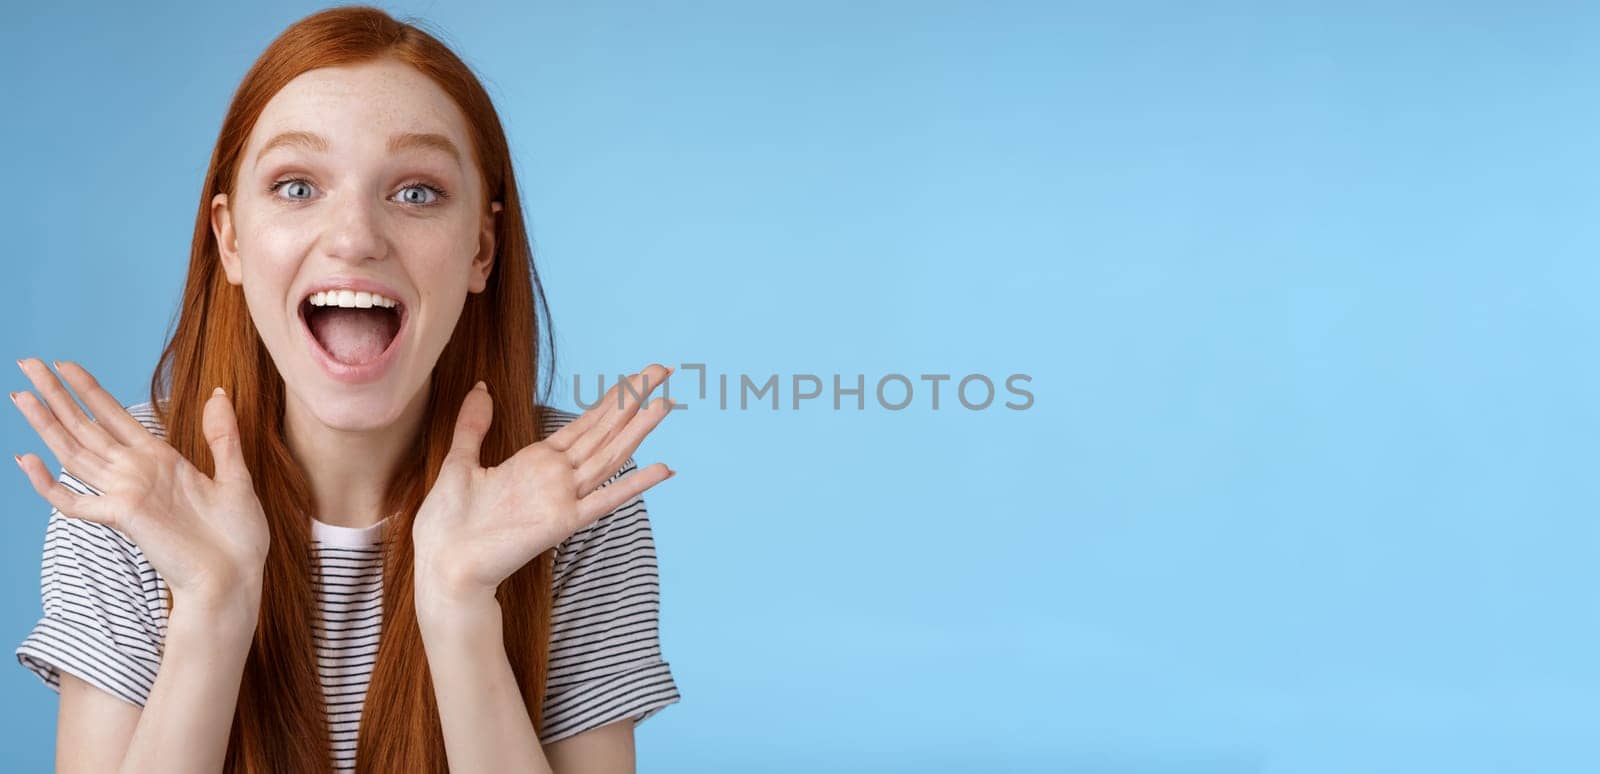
column 349, row 409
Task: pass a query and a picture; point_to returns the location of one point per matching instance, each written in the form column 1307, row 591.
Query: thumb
column 472, row 424
column 221, row 429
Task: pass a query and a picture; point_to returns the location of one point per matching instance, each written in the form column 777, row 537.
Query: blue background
column 1306, row 292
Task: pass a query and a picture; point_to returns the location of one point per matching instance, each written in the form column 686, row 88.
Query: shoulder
column 605, row 660
column 104, row 609
column 92, row 545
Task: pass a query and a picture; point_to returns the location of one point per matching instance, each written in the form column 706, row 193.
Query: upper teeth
column 352, row 298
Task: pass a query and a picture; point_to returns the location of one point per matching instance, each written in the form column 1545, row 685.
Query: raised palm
column 204, row 534
column 478, row 525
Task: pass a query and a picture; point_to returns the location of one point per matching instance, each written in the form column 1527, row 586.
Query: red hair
column 280, row 723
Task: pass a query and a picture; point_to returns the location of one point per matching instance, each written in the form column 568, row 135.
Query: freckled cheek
column 273, row 244
column 436, row 258
column 285, row 242
column 443, row 300
column 268, row 310
column 272, row 256
column 432, row 242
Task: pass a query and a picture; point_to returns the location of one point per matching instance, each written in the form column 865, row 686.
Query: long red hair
column 280, row 722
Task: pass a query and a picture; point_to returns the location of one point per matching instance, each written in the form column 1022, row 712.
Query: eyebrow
column 397, row 143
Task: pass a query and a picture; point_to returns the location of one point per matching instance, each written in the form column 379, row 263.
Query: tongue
column 354, row 336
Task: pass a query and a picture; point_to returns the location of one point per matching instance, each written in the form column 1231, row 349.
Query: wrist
column 451, row 609
column 440, row 584
column 228, row 614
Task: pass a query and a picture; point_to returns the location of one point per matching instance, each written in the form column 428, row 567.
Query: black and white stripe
column 348, row 583
column 105, row 619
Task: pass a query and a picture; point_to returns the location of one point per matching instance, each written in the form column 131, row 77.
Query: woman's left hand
column 478, row 525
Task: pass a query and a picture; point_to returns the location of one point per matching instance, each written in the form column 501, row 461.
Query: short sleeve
column 98, row 624
column 605, row 652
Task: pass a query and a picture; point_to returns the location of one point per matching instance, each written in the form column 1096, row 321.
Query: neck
column 350, row 470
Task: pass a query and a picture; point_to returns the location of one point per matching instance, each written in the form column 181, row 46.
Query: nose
column 354, row 229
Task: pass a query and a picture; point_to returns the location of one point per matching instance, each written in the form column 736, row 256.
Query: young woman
column 344, row 533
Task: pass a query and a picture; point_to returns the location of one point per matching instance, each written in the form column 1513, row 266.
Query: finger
column 612, row 496
column 562, row 439
column 60, row 497
column 221, row 428
column 606, row 425
column 71, row 454
column 472, row 424
column 66, row 409
column 108, row 411
column 601, row 466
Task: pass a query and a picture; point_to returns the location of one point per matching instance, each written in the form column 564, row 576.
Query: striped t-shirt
column 105, row 616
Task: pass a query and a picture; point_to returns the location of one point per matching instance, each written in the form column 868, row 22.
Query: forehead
column 356, row 109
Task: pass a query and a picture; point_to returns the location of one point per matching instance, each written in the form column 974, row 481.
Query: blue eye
column 438, row 194
column 293, row 180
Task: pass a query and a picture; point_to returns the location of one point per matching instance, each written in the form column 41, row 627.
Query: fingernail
column 219, row 391
column 57, row 364
column 671, row 472
column 14, row 398
column 18, row 458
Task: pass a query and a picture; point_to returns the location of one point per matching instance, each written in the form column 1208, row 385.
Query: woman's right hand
column 207, row 536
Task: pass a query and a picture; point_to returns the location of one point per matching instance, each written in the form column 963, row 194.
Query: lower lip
column 353, row 374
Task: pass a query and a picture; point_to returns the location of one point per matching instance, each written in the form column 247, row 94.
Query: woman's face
column 360, row 178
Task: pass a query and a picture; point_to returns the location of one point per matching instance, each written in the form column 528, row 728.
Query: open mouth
column 348, row 333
